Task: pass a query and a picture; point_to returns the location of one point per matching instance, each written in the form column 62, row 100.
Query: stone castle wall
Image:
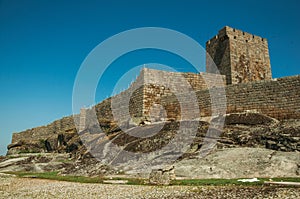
column 160, row 83
column 135, row 102
column 128, row 103
column 146, row 92
column 241, row 56
column 278, row 98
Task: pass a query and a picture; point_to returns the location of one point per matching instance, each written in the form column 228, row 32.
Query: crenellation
column 241, row 56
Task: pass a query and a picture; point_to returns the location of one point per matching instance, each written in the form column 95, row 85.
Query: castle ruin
column 233, row 57
column 245, row 79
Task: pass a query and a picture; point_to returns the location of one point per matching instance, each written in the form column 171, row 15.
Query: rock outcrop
column 241, row 163
column 269, row 144
column 162, row 176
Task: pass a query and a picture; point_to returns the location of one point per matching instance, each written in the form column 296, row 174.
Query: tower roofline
column 227, row 30
column 239, row 55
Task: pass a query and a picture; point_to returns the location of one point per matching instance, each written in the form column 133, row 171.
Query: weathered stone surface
column 162, row 176
column 35, row 162
column 278, row 98
column 65, row 141
column 282, row 138
column 89, row 166
column 241, row 56
column 249, row 118
column 241, row 163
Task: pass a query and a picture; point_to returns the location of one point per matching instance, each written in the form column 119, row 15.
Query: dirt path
column 38, row 188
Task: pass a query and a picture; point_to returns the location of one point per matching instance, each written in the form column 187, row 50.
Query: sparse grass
column 222, row 182
column 80, row 179
column 215, row 182
column 136, row 181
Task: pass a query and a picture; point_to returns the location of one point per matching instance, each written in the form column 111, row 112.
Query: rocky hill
column 250, row 145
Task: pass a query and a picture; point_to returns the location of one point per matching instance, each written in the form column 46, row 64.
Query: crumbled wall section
column 241, row 56
column 278, row 98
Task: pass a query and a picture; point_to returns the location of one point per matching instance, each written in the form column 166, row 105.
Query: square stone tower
column 240, row 56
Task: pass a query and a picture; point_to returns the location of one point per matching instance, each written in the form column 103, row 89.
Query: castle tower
column 240, row 56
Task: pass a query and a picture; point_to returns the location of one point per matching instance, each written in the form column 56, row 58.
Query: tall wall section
column 158, row 84
column 241, row 56
column 278, row 98
column 128, row 103
column 218, row 53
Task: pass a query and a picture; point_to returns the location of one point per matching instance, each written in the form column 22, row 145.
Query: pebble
column 38, row 188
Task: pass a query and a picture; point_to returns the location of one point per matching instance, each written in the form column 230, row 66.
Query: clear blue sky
column 44, row 42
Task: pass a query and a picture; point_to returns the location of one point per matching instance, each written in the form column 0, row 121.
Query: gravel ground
column 38, row 188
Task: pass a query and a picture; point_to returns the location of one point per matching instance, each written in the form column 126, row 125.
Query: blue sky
column 44, row 42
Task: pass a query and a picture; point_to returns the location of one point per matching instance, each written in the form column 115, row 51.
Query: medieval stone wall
column 163, row 83
column 241, row 56
column 278, row 98
column 135, row 102
column 129, row 103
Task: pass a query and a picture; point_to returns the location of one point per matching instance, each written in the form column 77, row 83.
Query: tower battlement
column 240, row 56
column 234, row 33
